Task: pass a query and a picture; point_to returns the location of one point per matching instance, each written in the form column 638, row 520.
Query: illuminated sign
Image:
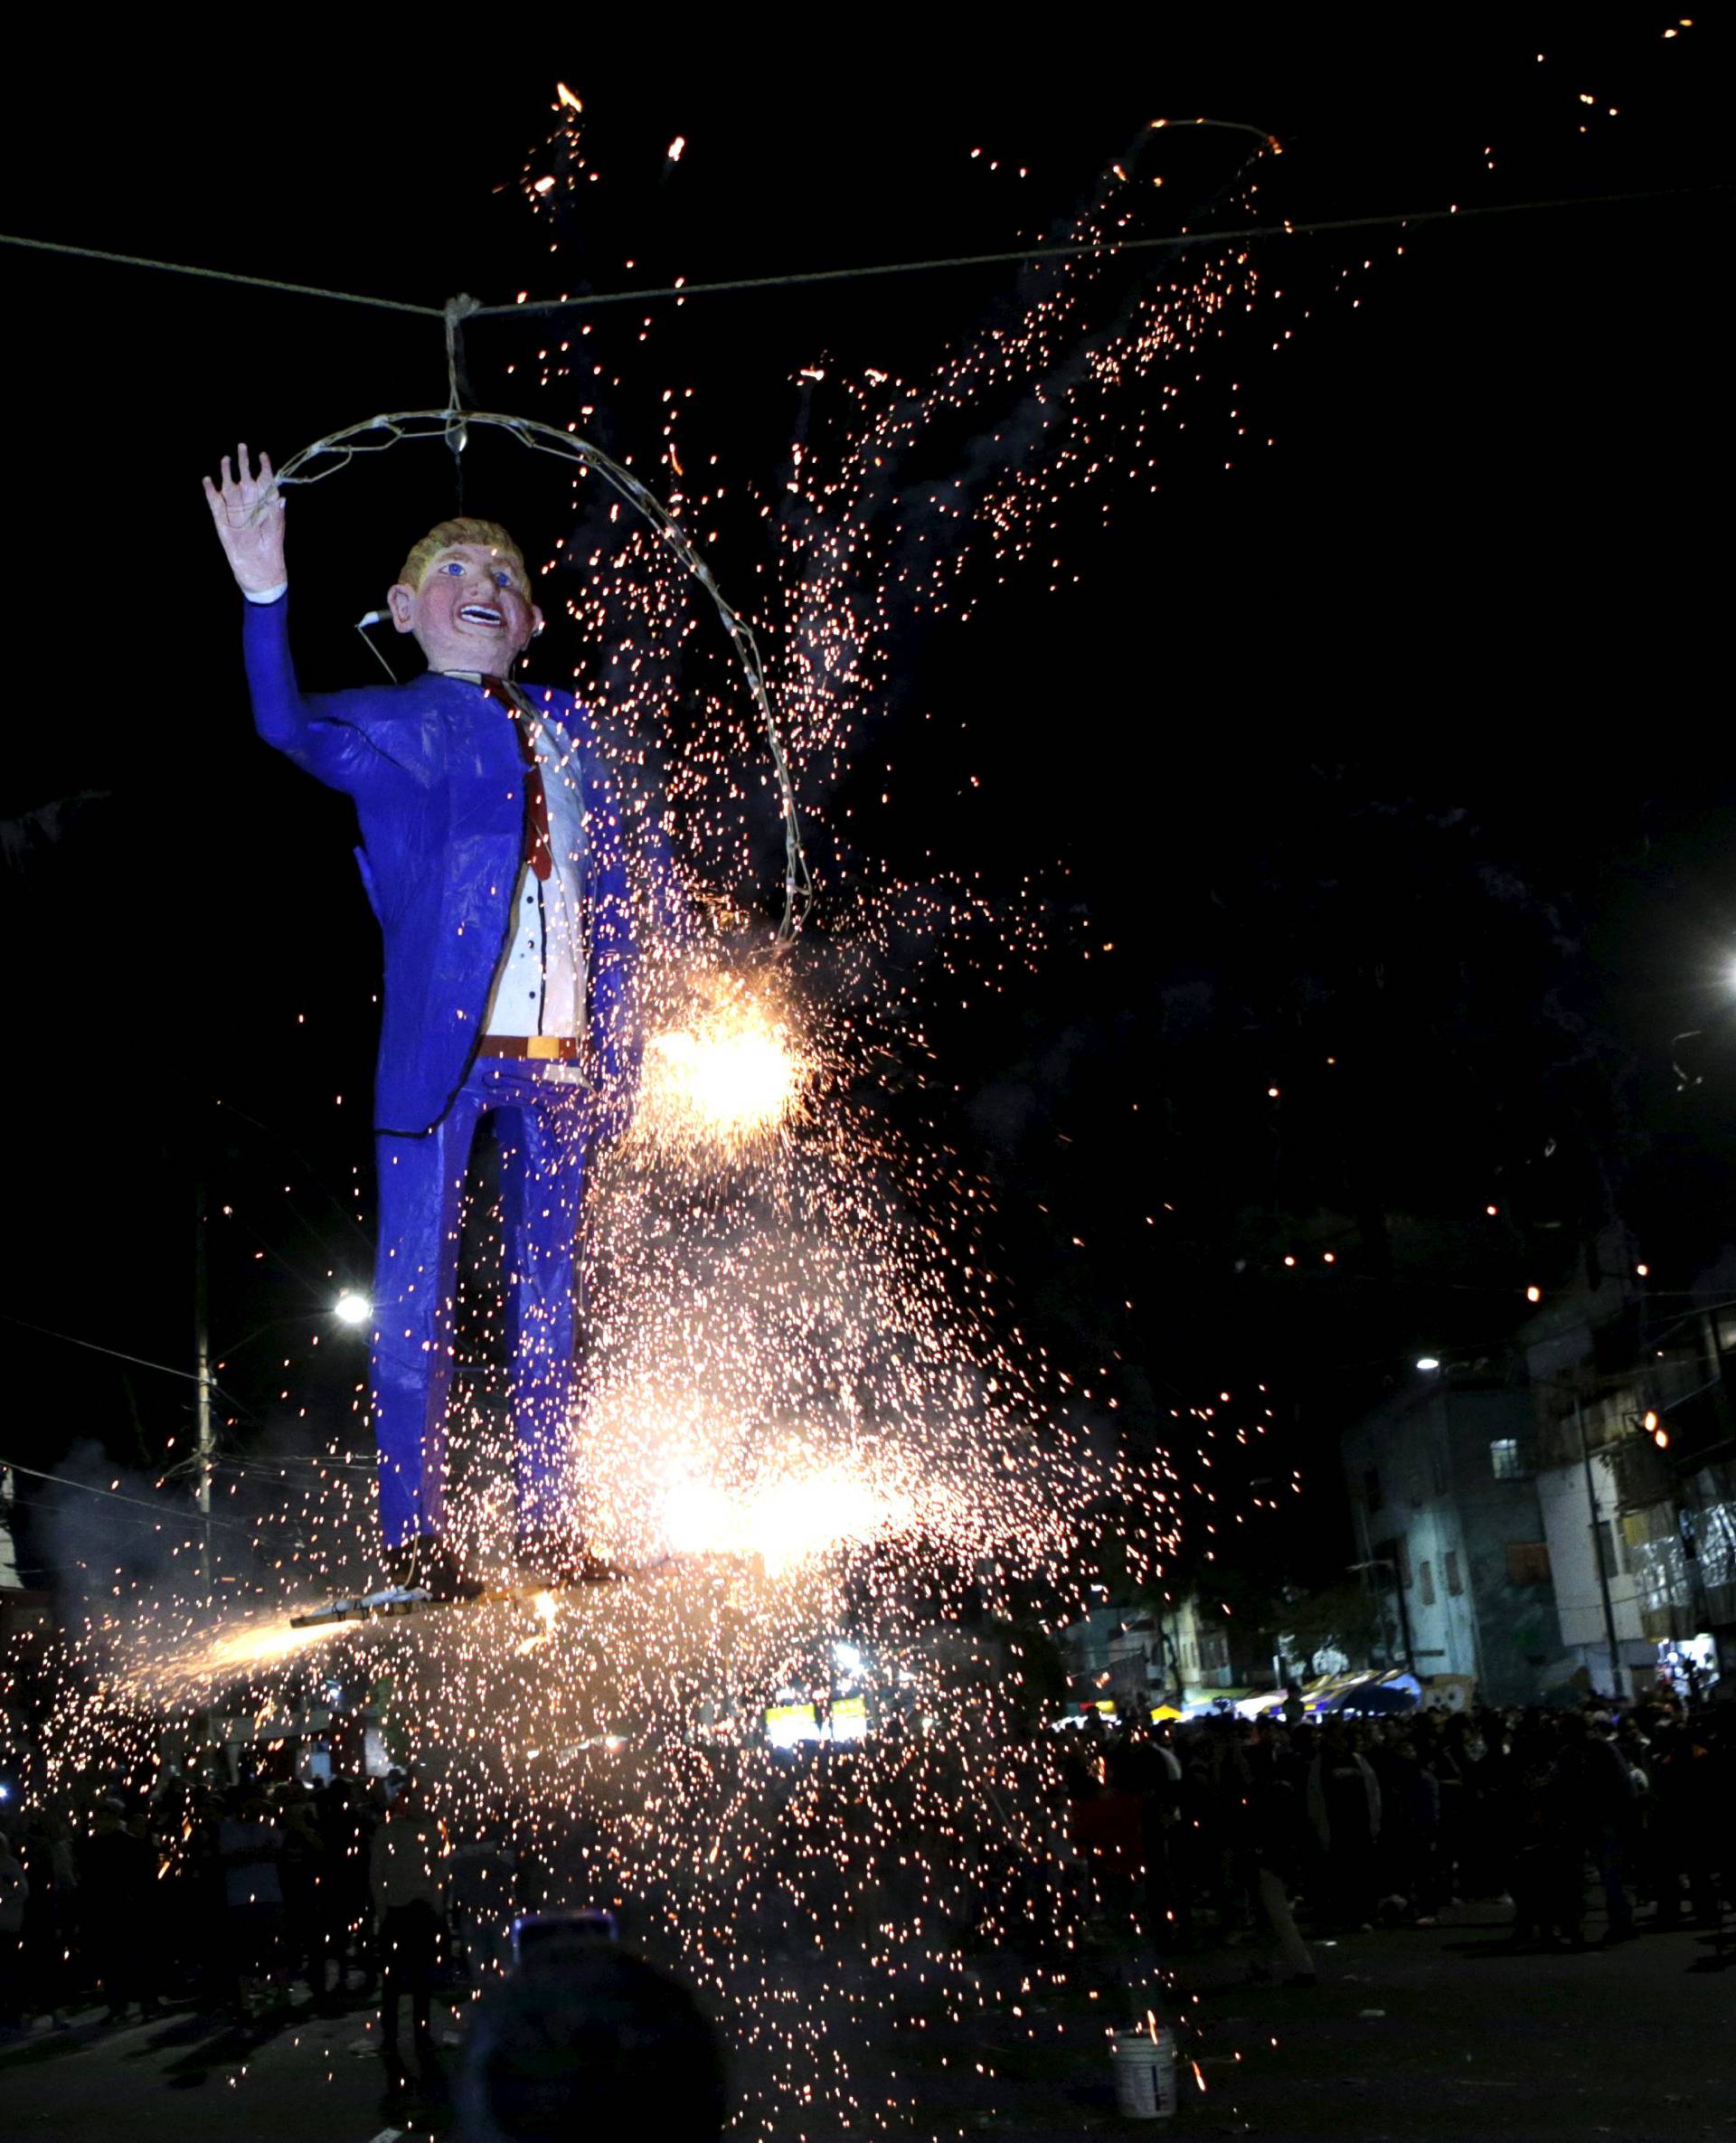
column 789, row 1724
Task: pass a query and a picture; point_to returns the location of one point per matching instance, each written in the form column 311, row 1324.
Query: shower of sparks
column 733, row 1072
column 794, row 1745
column 1076, row 395
column 244, row 1649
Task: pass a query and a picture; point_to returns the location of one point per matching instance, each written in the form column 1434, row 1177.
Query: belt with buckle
column 559, row 1048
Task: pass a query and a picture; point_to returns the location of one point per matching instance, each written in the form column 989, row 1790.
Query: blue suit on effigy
column 437, row 778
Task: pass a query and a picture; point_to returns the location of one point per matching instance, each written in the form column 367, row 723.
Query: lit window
column 1506, row 1460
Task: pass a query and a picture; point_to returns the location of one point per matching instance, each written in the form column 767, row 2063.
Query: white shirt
column 539, row 988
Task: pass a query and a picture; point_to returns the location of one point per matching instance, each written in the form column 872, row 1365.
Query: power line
column 301, row 1158
column 219, row 275
column 1072, row 249
column 158, row 1510
column 72, row 1339
column 142, row 1361
column 803, row 278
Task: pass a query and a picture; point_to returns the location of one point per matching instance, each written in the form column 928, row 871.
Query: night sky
column 1388, row 756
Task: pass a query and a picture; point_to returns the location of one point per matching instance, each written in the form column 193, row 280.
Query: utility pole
column 1596, row 1548
column 205, row 1441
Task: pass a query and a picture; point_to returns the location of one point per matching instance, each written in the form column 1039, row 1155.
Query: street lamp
column 352, row 1309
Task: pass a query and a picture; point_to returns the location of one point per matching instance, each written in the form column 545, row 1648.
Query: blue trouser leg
column 543, row 1140
column 542, row 1165
column 421, row 1192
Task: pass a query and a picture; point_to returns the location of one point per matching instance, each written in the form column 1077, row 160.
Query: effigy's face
column 472, row 611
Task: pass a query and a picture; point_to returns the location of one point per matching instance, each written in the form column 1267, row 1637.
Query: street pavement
column 1445, row 2033
column 1436, row 2031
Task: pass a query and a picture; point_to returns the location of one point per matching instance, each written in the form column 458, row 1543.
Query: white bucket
column 1145, row 2072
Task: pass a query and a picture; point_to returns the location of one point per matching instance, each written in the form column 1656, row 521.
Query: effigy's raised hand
column 248, row 513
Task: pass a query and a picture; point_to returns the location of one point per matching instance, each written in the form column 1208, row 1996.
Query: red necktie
column 537, row 851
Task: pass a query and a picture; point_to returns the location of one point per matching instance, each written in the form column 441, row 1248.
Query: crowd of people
column 254, row 1900
column 1225, row 1826
column 248, row 1899
column 236, row 1897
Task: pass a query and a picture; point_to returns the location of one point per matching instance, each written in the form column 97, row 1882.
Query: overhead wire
column 806, row 277
column 299, row 1157
column 454, row 419
column 94, row 1347
column 61, row 1480
column 218, row 275
column 1074, row 247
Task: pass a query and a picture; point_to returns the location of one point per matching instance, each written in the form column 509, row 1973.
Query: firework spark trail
column 806, row 1445
column 812, row 1449
column 856, row 551
column 792, row 1359
column 618, row 1731
column 805, row 1428
column 802, row 1429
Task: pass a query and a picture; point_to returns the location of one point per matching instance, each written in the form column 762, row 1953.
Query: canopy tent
column 1384, row 1693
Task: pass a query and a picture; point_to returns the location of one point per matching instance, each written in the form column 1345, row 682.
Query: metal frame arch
column 376, row 435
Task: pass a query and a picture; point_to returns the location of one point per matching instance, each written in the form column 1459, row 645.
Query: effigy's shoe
column 562, row 1558
column 430, row 1567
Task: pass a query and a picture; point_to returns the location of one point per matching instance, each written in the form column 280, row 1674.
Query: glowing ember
column 784, row 1522
column 805, row 1412
column 731, row 1076
column 240, row 1651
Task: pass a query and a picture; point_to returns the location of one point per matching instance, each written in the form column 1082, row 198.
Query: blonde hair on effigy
column 446, row 535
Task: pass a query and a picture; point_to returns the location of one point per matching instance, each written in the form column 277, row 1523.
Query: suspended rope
column 451, row 425
column 1455, row 213
column 219, row 275
column 1074, row 248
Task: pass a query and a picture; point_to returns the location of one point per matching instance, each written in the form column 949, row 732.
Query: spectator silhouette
column 595, row 2043
column 407, row 1877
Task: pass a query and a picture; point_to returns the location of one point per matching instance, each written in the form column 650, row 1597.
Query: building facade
column 1451, row 1539
column 1187, row 1652
column 1651, row 1381
column 1597, row 1599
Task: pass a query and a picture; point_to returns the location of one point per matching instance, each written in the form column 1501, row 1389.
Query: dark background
column 1390, row 758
